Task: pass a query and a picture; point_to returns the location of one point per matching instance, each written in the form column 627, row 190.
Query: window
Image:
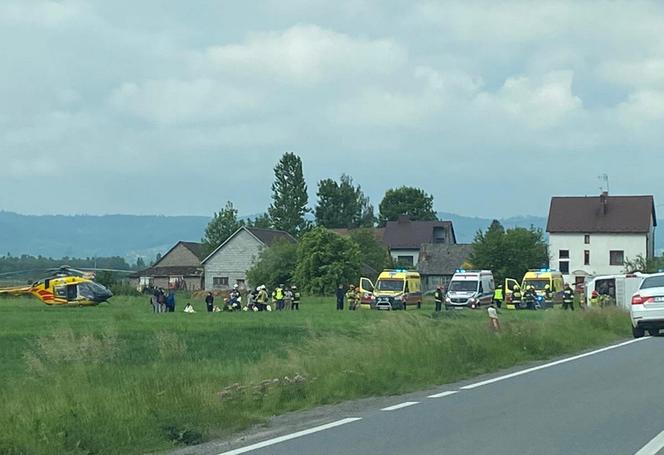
column 405, row 261
column 586, row 257
column 617, row 257
column 563, row 254
column 564, row 267
column 586, row 239
column 220, row 281
column 439, row 235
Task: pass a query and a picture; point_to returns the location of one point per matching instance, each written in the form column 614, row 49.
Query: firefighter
column 351, row 298
column 439, row 296
column 296, row 298
column 261, row 299
column 516, row 296
column 568, row 298
column 594, row 299
column 278, row 297
column 548, row 295
column 498, row 296
column 529, row 296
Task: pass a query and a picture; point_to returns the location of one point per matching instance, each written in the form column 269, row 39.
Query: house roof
column 411, row 235
column 602, row 214
column 185, row 271
column 197, row 249
column 443, row 259
column 267, row 237
column 378, row 233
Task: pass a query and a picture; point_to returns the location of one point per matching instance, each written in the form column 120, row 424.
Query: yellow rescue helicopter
column 64, row 286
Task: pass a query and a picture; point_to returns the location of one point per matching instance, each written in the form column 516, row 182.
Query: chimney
column 604, row 201
column 403, row 219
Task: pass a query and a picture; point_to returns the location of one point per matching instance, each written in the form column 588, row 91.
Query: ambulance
column 394, row 290
column 540, row 278
column 470, row 289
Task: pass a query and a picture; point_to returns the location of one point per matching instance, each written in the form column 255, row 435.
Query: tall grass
column 104, row 392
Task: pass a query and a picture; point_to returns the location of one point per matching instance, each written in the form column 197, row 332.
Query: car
column 647, row 308
column 470, row 289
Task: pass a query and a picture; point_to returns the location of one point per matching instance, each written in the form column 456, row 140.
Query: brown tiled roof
column 378, row 233
column 411, row 235
column 271, row 236
column 442, row 259
column 620, row 214
column 169, row 271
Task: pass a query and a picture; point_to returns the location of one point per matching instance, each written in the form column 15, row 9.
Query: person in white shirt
column 494, row 323
column 189, row 308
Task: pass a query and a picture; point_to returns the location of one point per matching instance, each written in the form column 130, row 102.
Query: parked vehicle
column 470, row 289
column 614, row 289
column 394, row 290
column 647, row 306
column 539, row 279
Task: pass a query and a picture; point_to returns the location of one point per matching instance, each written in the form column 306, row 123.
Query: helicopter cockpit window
column 72, row 292
column 61, row 291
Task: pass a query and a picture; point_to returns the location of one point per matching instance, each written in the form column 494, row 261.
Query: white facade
column 599, row 248
column 415, row 254
column 230, row 263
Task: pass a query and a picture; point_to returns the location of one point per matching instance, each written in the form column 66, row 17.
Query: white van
column 470, row 289
column 618, row 288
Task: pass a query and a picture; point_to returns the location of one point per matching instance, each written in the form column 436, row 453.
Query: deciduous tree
column 221, row 227
column 342, row 205
column 413, row 202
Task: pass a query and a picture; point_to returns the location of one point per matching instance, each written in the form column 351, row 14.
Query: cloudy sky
column 174, row 107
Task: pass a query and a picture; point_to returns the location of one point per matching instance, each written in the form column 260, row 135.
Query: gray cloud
column 165, row 107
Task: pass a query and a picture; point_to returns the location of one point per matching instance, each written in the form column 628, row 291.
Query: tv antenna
column 604, row 180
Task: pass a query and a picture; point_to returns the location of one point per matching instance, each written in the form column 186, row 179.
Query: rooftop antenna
column 604, row 179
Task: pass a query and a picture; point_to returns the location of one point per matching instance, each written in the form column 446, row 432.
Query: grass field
column 119, row 379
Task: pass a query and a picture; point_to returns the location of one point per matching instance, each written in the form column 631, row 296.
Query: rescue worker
column 568, row 298
column 351, row 297
column 594, row 299
column 288, row 298
column 498, row 296
column 234, row 298
column 516, row 296
column 278, row 297
column 548, row 295
column 296, row 298
column 341, row 295
column 439, row 296
column 529, row 297
column 261, row 299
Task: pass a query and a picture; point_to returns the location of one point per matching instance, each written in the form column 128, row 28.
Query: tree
column 289, row 196
column 275, row 265
column 342, row 205
column 413, row 202
column 325, row 260
column 261, row 221
column 374, row 253
column 644, row 265
column 140, row 263
column 221, row 227
column 509, row 253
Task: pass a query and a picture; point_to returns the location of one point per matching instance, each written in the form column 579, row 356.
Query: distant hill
column 127, row 236
column 131, row 236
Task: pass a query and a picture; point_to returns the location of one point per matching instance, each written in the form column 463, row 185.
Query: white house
column 228, row 264
column 591, row 236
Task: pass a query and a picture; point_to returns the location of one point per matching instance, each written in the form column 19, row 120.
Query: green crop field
column 119, row 379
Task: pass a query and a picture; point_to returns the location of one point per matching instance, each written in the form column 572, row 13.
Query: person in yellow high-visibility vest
column 498, row 296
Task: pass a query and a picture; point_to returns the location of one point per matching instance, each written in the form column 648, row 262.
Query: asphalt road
column 608, row 402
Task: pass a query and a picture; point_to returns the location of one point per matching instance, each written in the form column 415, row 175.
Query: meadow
column 119, row 379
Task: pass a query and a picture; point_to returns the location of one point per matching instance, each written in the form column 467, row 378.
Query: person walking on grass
column 296, row 298
column 494, row 323
column 341, row 295
column 209, row 302
column 351, row 297
column 439, row 296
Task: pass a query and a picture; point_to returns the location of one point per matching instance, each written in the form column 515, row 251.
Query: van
column 540, row 278
column 470, row 289
column 615, row 289
column 394, row 290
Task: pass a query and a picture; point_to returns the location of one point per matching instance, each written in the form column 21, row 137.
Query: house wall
column 179, row 257
column 232, row 260
column 599, row 247
column 414, row 253
column 431, row 282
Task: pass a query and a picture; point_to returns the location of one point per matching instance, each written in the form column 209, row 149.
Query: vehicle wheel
column 419, row 305
column 653, row 332
column 638, row 332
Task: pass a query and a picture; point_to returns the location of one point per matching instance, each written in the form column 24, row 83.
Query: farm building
column 228, row 264
column 179, row 268
column 439, row 261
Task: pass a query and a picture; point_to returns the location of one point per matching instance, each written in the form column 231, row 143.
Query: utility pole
column 604, row 179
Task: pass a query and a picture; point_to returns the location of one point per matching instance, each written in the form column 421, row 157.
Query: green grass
column 119, row 379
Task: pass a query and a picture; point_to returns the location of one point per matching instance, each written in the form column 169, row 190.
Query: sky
column 172, row 107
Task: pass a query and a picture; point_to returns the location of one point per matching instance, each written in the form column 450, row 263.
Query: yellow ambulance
column 394, row 290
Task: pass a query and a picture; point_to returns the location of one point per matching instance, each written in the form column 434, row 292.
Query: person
column 568, row 298
column 278, row 297
column 516, row 296
column 189, row 308
column 288, row 299
column 162, row 301
column 494, row 323
column 154, row 300
column 529, row 296
column 351, row 297
column 439, row 296
column 340, row 297
column 594, row 299
column 296, row 298
column 170, row 301
column 262, row 298
column 548, row 295
column 216, row 309
column 209, row 302
column 498, row 296
column 234, row 299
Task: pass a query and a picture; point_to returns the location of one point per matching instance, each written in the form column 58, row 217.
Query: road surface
column 606, row 402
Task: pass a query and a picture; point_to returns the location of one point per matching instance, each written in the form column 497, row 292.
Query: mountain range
column 133, row 236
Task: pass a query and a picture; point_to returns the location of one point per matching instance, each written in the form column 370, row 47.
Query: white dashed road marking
column 654, row 446
column 401, row 406
column 444, row 394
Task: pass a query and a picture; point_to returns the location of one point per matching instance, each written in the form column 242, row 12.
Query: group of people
column 352, row 296
column 162, row 302
column 530, row 297
column 283, row 298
